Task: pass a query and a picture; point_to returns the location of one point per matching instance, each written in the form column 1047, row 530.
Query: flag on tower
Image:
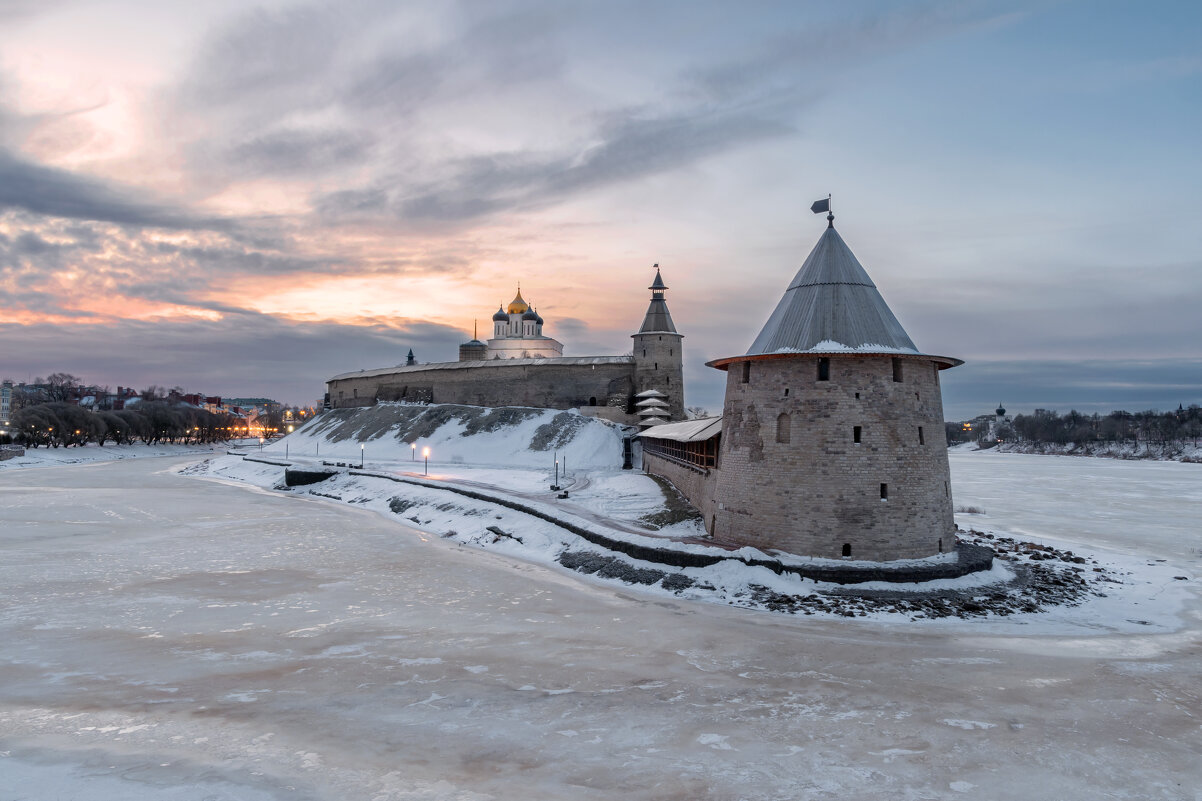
column 821, row 205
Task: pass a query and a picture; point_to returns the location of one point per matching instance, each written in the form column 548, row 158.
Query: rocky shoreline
column 1043, row 577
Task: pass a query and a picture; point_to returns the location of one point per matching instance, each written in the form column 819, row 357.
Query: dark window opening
column 855, row 434
column 916, row 396
column 746, row 372
column 857, row 396
column 897, row 369
column 713, row 524
column 644, row 353
column 824, row 369
column 946, row 492
column 847, row 549
column 783, row 428
column 884, row 492
column 921, row 440
column 656, row 365
column 941, row 545
column 786, row 392
column 661, row 339
column 668, row 380
column 593, row 402
column 669, row 351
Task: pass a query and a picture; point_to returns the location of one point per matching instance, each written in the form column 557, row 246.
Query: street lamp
column 362, row 451
column 426, row 456
column 413, row 451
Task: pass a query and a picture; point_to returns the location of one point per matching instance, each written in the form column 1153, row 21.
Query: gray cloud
column 289, row 151
column 246, row 355
column 1087, row 385
column 59, row 193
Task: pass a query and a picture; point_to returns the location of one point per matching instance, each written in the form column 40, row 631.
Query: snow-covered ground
column 511, row 437
column 57, row 457
column 168, row 638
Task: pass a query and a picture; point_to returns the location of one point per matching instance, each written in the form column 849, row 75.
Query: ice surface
column 168, row 638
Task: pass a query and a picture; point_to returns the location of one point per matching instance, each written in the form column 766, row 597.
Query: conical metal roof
column 657, row 320
column 832, row 306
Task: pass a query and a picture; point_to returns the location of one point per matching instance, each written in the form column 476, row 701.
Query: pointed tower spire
column 657, row 317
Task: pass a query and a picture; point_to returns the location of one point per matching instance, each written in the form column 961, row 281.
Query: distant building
column 518, row 334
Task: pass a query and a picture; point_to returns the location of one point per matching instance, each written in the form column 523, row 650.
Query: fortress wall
column 820, row 489
column 695, row 484
column 546, row 385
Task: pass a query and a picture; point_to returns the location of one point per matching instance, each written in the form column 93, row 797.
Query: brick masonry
column 792, row 477
column 544, row 385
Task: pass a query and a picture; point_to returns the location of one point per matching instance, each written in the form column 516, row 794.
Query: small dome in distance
column 530, row 315
column 500, row 316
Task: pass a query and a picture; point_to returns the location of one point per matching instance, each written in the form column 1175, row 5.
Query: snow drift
column 512, row 436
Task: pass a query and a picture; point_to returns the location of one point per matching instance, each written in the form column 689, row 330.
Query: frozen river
column 163, row 637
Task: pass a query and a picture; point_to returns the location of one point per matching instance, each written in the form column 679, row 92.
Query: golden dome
column 517, row 305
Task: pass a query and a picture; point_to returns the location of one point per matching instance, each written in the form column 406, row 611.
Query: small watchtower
column 833, row 441
column 658, row 362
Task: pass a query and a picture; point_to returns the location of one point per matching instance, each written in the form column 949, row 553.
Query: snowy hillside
column 455, row 434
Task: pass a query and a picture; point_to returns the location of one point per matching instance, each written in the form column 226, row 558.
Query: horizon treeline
column 1049, row 427
column 59, row 424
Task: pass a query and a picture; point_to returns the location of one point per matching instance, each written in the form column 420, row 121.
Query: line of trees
column 1043, row 426
column 60, row 424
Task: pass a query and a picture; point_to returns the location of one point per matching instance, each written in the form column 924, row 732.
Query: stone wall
column 659, row 365
column 604, row 385
column 696, row 484
column 793, row 478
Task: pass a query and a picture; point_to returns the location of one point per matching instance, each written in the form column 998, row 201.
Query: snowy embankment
column 511, row 437
column 1166, row 451
column 1082, row 590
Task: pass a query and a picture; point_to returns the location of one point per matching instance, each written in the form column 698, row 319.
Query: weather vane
column 824, row 205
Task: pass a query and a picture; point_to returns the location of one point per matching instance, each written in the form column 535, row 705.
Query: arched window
column 592, row 401
column 847, row 549
column 783, row 426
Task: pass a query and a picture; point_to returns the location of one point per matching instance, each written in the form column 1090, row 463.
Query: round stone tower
column 832, row 428
column 658, row 363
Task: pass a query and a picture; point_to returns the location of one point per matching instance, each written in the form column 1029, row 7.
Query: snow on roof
column 702, row 428
column 648, row 402
column 484, row 365
column 832, row 300
column 651, row 393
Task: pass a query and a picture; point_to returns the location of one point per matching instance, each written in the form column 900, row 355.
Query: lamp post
column 260, row 443
column 556, row 474
column 413, row 451
column 362, row 452
column 426, row 456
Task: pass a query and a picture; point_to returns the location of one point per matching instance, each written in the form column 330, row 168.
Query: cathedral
column 517, row 334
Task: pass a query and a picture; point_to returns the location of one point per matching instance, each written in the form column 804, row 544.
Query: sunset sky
column 246, row 200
